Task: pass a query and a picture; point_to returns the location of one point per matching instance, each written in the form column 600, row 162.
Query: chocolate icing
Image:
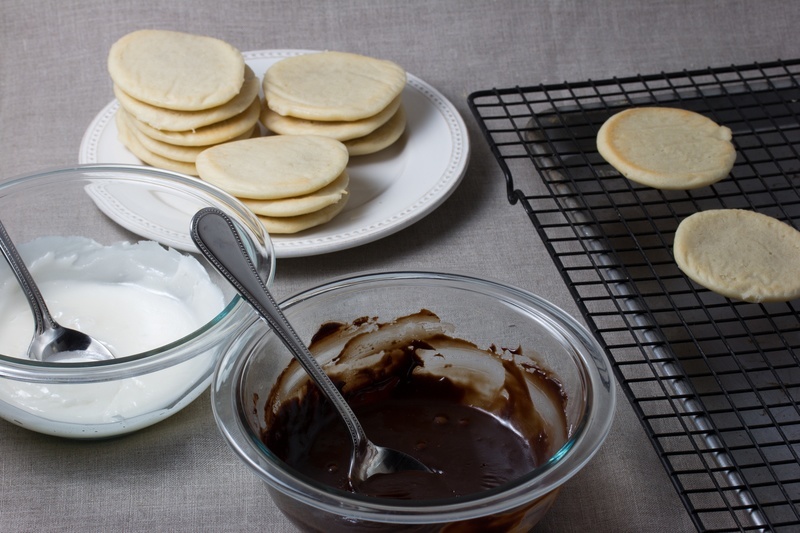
column 480, row 417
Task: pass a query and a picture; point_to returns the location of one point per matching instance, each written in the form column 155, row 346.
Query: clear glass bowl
column 113, row 204
column 483, row 312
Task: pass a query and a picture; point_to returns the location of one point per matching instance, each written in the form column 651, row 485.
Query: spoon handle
column 43, row 321
column 218, row 240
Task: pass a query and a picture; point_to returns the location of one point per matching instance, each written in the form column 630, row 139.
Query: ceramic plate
column 389, row 190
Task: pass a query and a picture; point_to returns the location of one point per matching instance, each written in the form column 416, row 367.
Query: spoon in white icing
column 52, row 342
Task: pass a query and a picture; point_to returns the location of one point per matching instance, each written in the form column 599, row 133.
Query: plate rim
column 441, row 187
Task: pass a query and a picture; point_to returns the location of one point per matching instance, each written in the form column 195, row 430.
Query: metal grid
column 715, row 382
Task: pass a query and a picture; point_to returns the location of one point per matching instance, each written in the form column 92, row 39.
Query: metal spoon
column 217, row 238
column 51, row 341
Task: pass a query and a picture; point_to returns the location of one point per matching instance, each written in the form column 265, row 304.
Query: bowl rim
column 581, row 446
column 162, row 356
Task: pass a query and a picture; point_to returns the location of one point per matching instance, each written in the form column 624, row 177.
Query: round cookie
column 283, row 225
column 301, row 205
column 278, row 166
column 339, row 130
column 172, row 120
column 128, row 137
column 332, row 86
column 379, row 139
column 176, row 70
column 740, row 254
column 187, row 154
column 666, row 148
column 207, row 135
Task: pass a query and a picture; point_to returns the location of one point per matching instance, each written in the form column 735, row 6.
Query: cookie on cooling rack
column 740, row 254
column 667, row 148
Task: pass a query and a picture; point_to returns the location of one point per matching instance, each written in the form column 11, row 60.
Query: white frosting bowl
column 110, row 247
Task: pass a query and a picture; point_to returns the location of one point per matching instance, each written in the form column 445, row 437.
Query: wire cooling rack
column 715, row 382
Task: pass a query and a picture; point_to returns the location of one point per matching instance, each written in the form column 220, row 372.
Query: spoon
column 51, row 341
column 217, row 238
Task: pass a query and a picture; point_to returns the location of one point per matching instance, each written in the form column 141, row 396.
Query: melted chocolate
column 474, row 445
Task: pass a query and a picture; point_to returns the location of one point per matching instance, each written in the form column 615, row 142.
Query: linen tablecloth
column 179, row 475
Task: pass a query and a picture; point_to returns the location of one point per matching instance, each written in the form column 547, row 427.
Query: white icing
column 132, row 297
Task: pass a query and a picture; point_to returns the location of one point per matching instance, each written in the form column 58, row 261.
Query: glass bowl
column 256, row 366
column 109, row 206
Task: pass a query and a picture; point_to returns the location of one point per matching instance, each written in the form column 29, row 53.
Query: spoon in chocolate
column 51, row 341
column 217, row 238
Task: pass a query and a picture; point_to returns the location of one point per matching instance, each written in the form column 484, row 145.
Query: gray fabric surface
column 179, row 475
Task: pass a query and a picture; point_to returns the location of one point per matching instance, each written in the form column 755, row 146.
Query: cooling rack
column 714, row 382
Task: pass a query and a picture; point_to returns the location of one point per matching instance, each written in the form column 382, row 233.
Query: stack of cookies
column 292, row 182
column 352, row 98
column 180, row 94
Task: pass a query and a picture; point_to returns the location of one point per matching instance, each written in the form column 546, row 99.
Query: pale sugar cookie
column 176, row 70
column 740, row 254
column 332, row 86
column 283, row 225
column 187, row 154
column 381, row 138
column 666, row 148
column 131, row 141
column 207, row 135
column 173, row 120
column 277, row 166
column 339, row 130
column 301, row 205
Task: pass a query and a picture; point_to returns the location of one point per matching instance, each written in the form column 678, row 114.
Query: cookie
column 286, row 225
column 379, row 139
column 666, row 148
column 187, row 154
column 207, row 135
column 278, row 166
column 740, row 254
column 129, row 138
column 332, row 86
column 339, row 130
column 173, row 120
column 301, row 205
column 176, row 70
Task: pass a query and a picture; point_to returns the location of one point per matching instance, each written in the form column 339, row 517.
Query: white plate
column 389, row 190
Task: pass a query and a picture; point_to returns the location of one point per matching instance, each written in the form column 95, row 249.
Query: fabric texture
column 179, row 475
